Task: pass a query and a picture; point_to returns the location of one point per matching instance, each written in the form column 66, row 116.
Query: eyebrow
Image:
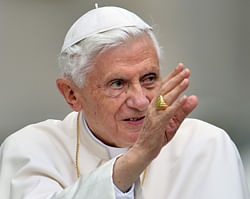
column 152, row 71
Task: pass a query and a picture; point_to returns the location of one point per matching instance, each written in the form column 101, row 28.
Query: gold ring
column 160, row 104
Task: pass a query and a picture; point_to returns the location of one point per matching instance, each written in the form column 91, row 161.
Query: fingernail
column 183, row 99
column 180, row 66
column 183, row 83
column 185, row 72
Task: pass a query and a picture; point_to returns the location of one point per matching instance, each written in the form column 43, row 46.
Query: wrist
column 128, row 167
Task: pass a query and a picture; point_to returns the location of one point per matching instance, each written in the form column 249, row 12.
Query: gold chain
column 77, row 147
column 77, row 155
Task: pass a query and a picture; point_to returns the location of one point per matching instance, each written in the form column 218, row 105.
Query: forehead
column 135, row 56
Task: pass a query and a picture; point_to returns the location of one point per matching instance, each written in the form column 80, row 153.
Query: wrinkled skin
column 118, row 103
column 161, row 126
column 121, row 86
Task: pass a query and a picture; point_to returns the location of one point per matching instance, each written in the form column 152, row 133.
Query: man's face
column 118, row 91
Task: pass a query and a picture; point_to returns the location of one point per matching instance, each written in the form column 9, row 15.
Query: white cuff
column 121, row 195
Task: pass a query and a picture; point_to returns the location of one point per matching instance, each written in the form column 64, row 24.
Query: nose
column 137, row 98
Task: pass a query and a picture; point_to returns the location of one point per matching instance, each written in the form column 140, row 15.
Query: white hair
column 76, row 61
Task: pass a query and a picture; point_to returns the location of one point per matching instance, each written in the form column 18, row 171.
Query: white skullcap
column 99, row 20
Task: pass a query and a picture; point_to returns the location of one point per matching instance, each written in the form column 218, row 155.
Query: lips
column 133, row 119
column 134, row 122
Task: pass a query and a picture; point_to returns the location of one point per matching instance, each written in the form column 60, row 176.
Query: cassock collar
column 113, row 151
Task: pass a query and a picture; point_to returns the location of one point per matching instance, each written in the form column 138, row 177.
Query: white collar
column 113, row 151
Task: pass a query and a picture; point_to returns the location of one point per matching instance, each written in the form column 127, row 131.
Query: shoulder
column 199, row 143
column 196, row 136
column 204, row 156
column 196, row 128
column 191, row 124
column 41, row 149
column 42, row 135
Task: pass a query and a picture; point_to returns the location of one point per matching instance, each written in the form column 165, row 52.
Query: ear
column 70, row 92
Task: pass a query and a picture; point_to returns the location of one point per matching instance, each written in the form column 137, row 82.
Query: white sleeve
column 25, row 177
column 128, row 195
column 27, row 173
column 97, row 185
column 99, row 180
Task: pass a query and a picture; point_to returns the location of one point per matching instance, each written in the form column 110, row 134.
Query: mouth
column 135, row 118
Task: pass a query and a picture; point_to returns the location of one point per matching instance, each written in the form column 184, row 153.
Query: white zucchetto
column 100, row 20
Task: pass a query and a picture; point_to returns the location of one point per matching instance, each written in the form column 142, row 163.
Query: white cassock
column 38, row 162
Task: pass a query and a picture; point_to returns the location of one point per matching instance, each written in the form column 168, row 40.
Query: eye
column 117, row 84
column 149, row 80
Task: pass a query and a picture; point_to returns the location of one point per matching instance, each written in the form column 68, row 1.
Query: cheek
column 118, row 105
column 109, row 107
column 151, row 93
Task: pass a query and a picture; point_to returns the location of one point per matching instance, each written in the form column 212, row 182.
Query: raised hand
column 158, row 128
column 161, row 125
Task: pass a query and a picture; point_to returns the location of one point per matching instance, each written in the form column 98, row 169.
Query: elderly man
column 128, row 136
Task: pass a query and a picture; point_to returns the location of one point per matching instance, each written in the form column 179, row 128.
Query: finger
column 171, row 96
column 173, row 109
column 174, row 123
column 177, row 70
column 175, row 81
column 189, row 105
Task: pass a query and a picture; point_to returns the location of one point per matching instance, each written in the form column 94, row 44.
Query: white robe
column 38, row 162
